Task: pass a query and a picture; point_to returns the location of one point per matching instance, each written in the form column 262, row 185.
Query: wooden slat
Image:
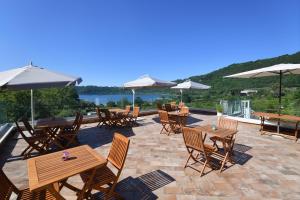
column 51, row 168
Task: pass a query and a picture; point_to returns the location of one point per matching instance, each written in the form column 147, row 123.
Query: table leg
column 296, row 132
column 87, row 185
column 54, row 190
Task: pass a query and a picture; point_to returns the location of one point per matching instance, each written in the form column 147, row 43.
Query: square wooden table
column 44, row 172
column 116, row 110
column 221, row 134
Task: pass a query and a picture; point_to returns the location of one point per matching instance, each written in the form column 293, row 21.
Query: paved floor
column 267, row 167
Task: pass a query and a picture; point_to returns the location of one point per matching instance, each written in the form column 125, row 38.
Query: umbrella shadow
column 141, row 187
column 7, row 148
column 96, row 137
column 190, row 120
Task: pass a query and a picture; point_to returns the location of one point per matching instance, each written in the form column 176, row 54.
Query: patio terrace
column 267, row 167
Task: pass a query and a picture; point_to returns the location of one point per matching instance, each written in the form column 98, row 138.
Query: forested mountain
column 218, row 82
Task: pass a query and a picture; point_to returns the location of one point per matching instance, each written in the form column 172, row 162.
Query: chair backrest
column 6, row 187
column 78, row 121
column 163, row 116
column 185, row 109
column 98, row 113
column 227, row 123
column 19, row 130
column 168, row 107
column 27, row 125
column 105, row 113
column 159, row 106
column 127, row 108
column 136, row 111
column 193, row 139
column 118, row 151
column 181, row 104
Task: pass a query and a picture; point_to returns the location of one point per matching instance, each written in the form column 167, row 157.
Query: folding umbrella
column 190, row 85
column 275, row 70
column 34, row 77
column 146, row 82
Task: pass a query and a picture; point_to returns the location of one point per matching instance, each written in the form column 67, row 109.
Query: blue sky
column 111, row 42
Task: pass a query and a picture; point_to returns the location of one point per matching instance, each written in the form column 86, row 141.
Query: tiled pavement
column 267, row 167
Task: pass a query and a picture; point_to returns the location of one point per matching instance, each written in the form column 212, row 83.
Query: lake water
column 103, row 99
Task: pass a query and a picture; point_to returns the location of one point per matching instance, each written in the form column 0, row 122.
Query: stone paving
column 267, row 167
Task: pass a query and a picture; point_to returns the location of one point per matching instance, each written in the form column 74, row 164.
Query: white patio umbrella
column 145, row 82
column 34, row 77
column 275, row 70
column 190, row 85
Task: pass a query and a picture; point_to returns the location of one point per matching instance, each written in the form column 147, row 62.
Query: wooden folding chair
column 168, row 107
column 110, row 119
column 30, row 129
column 40, row 143
column 134, row 115
column 226, row 124
column 198, row 151
column 101, row 118
column 185, row 110
column 180, row 105
column 105, row 176
column 68, row 136
column 173, row 105
column 168, row 124
column 127, row 108
column 7, row 188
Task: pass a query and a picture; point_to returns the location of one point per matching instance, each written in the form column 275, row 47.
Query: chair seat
column 215, row 138
column 209, row 148
column 42, row 195
column 103, row 176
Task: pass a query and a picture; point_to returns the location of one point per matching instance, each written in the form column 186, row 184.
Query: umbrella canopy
column 269, row 71
column 280, row 69
column 190, row 85
column 146, row 81
column 33, row 77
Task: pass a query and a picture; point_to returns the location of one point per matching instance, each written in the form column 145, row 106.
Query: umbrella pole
column 280, row 93
column 32, row 108
column 181, row 95
column 133, row 97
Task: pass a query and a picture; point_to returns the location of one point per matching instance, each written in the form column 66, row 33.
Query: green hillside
column 216, row 80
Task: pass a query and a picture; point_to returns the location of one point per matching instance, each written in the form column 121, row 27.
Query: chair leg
column 23, row 152
column 223, row 162
column 188, row 160
column 205, row 163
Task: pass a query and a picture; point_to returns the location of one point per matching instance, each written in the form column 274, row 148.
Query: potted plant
column 219, row 109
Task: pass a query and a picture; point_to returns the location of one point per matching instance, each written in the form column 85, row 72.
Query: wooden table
column 44, row 172
column 222, row 134
column 53, row 123
column 116, row 110
column 179, row 117
column 278, row 117
column 52, row 127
